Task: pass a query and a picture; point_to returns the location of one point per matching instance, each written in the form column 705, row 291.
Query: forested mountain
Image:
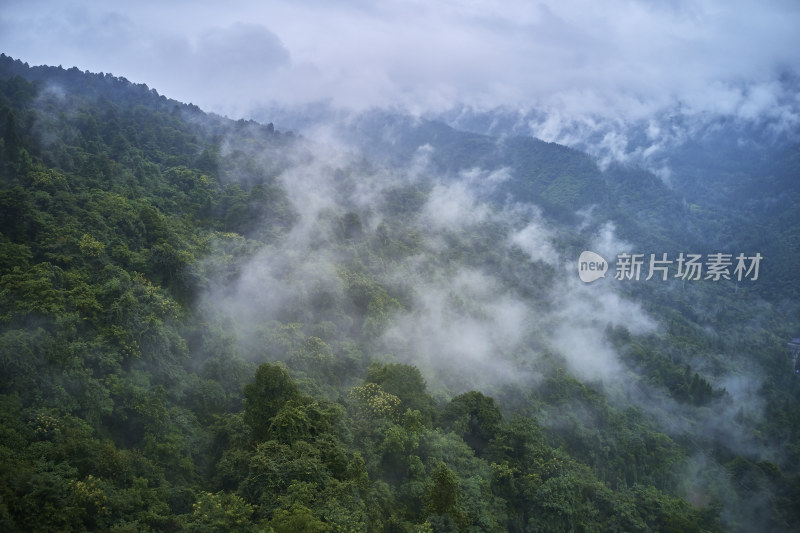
column 213, row 325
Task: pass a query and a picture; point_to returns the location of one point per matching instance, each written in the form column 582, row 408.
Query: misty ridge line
column 760, row 116
column 654, row 142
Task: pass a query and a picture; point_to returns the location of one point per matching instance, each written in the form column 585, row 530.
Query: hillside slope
column 211, row 325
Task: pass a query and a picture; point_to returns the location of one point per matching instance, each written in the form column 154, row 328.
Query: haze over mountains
column 621, row 61
column 374, row 321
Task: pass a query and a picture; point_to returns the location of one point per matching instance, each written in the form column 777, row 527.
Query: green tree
column 220, row 513
column 297, row 519
column 442, row 495
column 263, row 398
column 405, row 382
column 474, row 417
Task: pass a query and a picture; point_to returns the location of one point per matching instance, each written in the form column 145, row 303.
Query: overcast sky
column 575, row 56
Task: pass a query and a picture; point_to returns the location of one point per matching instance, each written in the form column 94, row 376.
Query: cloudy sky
column 576, row 56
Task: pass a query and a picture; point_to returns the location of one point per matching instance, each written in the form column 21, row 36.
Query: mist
column 385, row 254
column 465, row 323
column 621, row 60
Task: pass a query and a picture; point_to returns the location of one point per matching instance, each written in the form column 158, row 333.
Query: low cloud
column 621, row 59
column 534, row 240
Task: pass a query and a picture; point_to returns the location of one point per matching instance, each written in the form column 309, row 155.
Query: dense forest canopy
column 214, row 325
